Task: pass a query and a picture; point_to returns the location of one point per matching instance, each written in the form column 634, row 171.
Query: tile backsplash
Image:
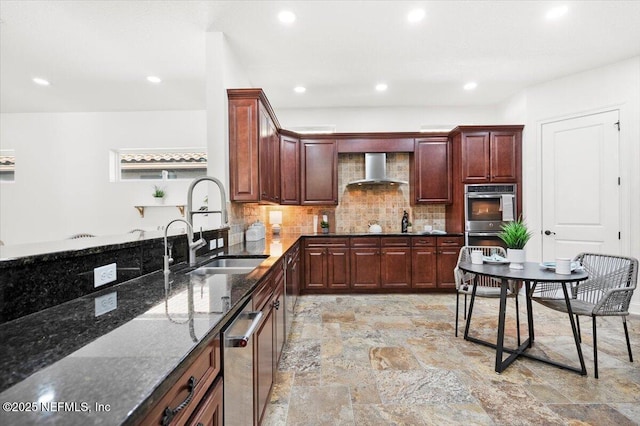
column 357, row 206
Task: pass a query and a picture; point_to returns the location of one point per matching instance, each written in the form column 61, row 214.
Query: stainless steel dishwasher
column 237, row 364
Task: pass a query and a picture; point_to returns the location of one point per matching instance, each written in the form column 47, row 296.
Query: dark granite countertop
column 129, row 357
column 126, row 358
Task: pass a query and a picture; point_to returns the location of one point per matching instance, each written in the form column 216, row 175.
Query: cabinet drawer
column 423, row 241
column 394, row 241
column 365, row 241
column 450, row 241
column 326, row 242
column 196, row 380
column 263, row 292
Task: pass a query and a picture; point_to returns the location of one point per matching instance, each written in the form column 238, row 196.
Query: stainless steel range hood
column 375, row 171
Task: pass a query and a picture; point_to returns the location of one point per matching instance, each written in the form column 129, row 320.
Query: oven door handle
column 483, row 234
column 485, row 195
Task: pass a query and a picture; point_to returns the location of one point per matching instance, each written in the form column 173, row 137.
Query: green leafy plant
column 515, row 234
column 158, row 192
column 324, row 224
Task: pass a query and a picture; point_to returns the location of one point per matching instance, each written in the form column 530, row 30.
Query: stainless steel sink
column 230, row 265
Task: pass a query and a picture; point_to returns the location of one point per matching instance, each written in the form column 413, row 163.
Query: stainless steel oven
column 486, row 208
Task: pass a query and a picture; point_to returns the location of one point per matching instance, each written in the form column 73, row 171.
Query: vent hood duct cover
column 375, row 171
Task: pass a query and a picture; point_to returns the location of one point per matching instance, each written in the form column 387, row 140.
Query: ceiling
column 97, row 54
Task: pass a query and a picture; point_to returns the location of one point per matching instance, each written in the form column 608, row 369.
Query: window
column 7, row 165
column 130, row 164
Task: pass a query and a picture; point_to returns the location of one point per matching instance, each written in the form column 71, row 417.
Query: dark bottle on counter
column 405, row 222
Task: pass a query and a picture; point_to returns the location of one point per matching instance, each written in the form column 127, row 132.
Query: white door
column 580, row 172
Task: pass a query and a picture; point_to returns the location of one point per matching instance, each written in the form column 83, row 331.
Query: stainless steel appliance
column 237, row 364
column 486, row 208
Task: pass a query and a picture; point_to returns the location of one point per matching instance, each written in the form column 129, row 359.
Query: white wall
column 62, row 172
column 613, row 86
column 388, row 119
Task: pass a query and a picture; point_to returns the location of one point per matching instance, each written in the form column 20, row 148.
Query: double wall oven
column 486, row 208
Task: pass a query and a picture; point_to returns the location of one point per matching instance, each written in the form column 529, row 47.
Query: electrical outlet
column 220, row 242
column 106, row 303
column 105, row 274
column 212, row 245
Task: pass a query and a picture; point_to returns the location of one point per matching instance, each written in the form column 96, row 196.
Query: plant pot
column 325, row 230
column 516, row 257
column 159, row 200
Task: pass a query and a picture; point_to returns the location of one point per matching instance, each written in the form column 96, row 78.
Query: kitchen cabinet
column 423, row 262
column 254, row 147
column 491, row 156
column 365, row 262
column 326, row 263
column 448, row 249
column 289, row 170
column 189, row 390
column 269, row 164
column 279, row 323
column 209, row 413
column 319, row 172
column 431, row 171
column 395, row 262
column 263, row 349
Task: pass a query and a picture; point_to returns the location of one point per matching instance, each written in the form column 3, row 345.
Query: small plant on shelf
column 158, row 192
column 325, row 227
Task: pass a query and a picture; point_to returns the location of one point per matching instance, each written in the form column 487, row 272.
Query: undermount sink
column 230, row 265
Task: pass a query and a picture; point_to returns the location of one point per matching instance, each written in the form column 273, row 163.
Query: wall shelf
column 179, row 206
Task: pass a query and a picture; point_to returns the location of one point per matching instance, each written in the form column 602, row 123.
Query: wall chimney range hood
column 375, row 171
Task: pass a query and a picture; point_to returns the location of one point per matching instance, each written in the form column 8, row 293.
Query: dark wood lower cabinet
column 209, row 413
column 381, row 263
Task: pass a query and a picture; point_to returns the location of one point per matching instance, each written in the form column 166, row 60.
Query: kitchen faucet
column 193, row 245
column 223, row 200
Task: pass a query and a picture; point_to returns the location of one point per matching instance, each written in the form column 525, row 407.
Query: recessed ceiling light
column 299, row 89
column 381, row 87
column 41, row 81
column 154, row 79
column 470, row 85
column 557, row 12
column 286, row 17
column 416, row 15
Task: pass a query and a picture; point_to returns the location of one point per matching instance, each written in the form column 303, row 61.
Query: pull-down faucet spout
column 223, row 201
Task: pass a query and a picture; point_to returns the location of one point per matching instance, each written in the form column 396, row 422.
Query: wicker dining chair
column 607, row 292
column 487, row 286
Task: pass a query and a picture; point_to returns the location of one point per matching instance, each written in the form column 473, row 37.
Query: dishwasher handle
column 240, row 341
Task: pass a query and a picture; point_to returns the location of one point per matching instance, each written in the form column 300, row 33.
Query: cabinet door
column 431, row 171
column 243, row 150
column 338, row 268
column 448, row 251
column 365, row 268
column 505, row 156
column 289, row 170
column 209, row 413
column 269, row 149
column 395, row 267
column 315, row 268
column 475, row 157
column 423, row 267
column 279, row 325
column 319, row 173
column 263, row 362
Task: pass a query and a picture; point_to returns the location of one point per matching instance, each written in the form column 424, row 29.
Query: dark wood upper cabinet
column 431, row 171
column 319, row 172
column 491, row 156
column 289, row 170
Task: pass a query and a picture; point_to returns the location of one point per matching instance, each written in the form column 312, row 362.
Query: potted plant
column 325, row 227
column 515, row 235
column 158, row 194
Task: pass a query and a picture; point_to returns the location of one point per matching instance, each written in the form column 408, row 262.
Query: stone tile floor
column 394, row 360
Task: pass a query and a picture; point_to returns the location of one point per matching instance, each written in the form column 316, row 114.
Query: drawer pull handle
column 169, row 413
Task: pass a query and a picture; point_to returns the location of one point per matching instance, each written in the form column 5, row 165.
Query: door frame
column 624, row 158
